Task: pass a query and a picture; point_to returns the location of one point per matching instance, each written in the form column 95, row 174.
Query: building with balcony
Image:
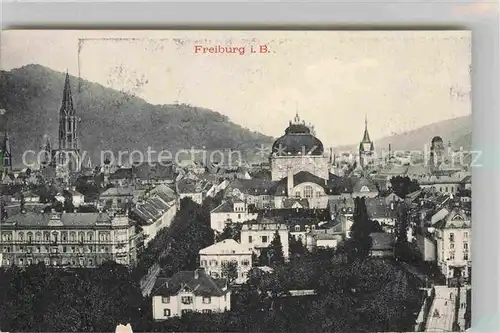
column 453, row 236
column 67, row 239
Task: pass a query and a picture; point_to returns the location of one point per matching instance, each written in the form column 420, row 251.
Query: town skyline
column 443, row 85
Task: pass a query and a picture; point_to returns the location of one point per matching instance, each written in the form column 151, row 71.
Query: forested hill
column 110, row 120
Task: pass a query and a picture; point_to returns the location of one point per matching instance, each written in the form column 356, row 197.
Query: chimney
column 290, row 182
column 389, row 150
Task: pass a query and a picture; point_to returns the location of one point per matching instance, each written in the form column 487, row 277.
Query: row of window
column 46, row 249
column 37, row 237
column 451, row 255
column 186, row 300
column 452, row 236
column 244, row 262
column 166, row 312
column 64, row 262
column 308, row 193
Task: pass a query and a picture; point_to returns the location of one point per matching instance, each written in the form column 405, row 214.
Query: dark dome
column 437, row 139
column 297, row 141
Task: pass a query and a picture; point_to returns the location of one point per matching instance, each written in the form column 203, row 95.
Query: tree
column 68, row 205
column 276, row 250
column 231, row 231
column 296, row 246
column 402, row 186
column 360, row 242
column 230, row 271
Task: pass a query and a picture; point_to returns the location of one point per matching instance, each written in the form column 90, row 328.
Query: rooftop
column 227, row 246
column 198, row 282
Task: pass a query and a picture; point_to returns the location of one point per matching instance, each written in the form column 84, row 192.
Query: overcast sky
column 400, row 80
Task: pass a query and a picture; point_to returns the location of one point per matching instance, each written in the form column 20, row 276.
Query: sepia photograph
column 235, row 181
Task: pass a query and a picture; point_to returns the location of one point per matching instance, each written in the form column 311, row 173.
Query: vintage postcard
column 268, row 181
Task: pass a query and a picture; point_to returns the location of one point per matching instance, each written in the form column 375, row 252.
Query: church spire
column 6, row 154
column 67, row 119
column 366, row 136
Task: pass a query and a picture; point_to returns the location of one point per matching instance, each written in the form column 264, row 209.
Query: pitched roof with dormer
column 198, row 282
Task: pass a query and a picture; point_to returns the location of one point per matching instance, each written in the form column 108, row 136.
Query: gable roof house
column 189, row 291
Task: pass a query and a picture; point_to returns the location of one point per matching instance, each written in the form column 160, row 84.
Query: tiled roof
column 153, row 208
column 362, row 182
column 337, row 204
column 30, row 219
column 251, row 186
column 123, row 173
column 227, row 246
column 291, row 202
column 224, row 207
column 201, row 285
column 382, row 241
column 187, row 185
column 118, row 191
column 378, row 208
column 162, row 171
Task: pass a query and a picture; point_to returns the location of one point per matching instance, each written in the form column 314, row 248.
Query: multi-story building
column 453, row 236
column 216, row 256
column 156, row 212
column 189, row 291
column 67, row 239
column 259, row 234
column 228, row 212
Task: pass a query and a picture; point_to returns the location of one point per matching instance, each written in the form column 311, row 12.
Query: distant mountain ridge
column 110, row 120
column 458, row 131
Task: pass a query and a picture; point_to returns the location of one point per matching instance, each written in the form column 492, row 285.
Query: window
column 318, row 194
column 30, row 237
column 207, row 311
column 452, row 255
column 264, row 239
column 203, row 263
column 249, row 239
column 313, row 227
column 466, row 246
column 185, row 311
column 452, row 245
column 466, row 256
column 165, row 299
column 466, row 235
column 166, row 312
column 245, row 262
column 21, row 262
column 297, row 228
column 297, row 194
column 21, row 236
column 452, row 237
column 207, row 300
column 186, row 299
column 308, row 191
column 64, row 236
column 239, row 216
column 90, row 262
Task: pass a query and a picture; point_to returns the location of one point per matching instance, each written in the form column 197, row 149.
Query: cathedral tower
column 68, row 154
column 366, row 148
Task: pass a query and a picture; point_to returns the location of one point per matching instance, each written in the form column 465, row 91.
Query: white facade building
column 214, row 257
column 231, row 211
column 189, row 291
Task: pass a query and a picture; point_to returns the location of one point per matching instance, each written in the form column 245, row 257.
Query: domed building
column 298, row 150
